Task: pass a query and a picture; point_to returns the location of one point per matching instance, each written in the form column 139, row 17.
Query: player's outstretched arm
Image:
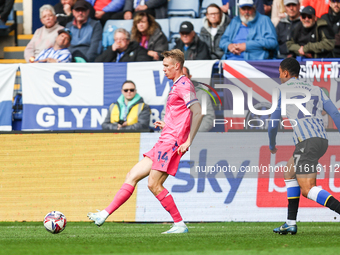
column 195, row 124
column 273, row 126
column 332, row 111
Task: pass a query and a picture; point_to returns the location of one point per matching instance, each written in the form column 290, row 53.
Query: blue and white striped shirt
column 63, row 55
column 305, row 126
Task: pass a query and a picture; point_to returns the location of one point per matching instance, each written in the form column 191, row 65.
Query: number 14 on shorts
column 164, row 157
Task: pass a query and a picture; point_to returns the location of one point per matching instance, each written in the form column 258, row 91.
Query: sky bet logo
column 295, row 96
column 209, row 178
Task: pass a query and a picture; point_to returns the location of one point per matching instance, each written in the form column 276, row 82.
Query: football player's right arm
column 332, row 111
column 273, row 126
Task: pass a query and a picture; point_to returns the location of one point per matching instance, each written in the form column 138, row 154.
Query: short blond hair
column 176, row 55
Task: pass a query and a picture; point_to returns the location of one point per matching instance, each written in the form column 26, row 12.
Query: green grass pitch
column 136, row 238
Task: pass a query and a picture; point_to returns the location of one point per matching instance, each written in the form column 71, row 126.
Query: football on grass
column 55, row 222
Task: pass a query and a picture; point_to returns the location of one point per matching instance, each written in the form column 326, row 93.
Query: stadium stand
column 183, row 8
column 126, row 24
column 165, row 26
column 12, row 47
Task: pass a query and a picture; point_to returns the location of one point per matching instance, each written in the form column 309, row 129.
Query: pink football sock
column 120, row 198
column 169, row 205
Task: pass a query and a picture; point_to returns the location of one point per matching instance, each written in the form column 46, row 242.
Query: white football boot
column 175, row 229
column 97, row 218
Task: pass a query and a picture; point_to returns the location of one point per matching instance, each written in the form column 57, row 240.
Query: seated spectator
column 208, row 119
column 191, row 45
column 123, row 50
column 278, row 11
column 333, row 20
column 287, row 25
column 157, row 8
column 107, row 9
column 214, row 25
column 5, row 9
column 86, row 40
column 149, row 35
column 63, row 11
column 312, row 38
column 251, row 36
column 129, row 112
column 321, row 6
column 59, row 52
column 45, row 36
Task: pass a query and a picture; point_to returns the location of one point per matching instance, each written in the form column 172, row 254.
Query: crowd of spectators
column 250, row 35
column 72, row 31
column 237, row 30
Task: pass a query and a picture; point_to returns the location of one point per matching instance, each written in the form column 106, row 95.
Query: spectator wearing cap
column 321, row 6
column 262, row 6
column 191, row 45
column 59, row 52
column 250, row 36
column 286, row 25
column 123, row 50
column 107, row 9
column 86, row 40
column 214, row 25
column 63, row 11
column 45, row 36
column 333, row 20
column 312, row 38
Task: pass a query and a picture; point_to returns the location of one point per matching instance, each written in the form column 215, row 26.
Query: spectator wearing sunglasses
column 129, row 112
column 333, row 20
column 313, row 38
column 320, row 6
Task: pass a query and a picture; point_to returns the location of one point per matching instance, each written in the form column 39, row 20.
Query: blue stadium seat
column 198, row 24
column 164, row 23
column 120, row 23
column 183, row 8
column 175, row 23
column 206, row 3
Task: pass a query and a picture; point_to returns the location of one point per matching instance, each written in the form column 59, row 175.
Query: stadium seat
column 121, row 23
column 175, row 23
column 183, row 8
column 206, row 3
column 164, row 23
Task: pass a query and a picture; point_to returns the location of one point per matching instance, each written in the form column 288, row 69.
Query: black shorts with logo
column 307, row 153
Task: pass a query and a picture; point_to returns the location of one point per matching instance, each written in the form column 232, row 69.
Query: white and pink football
column 55, row 222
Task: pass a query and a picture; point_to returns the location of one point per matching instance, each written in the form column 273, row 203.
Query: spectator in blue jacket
column 105, row 10
column 86, row 33
column 250, row 36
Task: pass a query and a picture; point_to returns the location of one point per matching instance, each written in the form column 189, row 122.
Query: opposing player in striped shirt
column 181, row 122
column 310, row 140
column 59, row 52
